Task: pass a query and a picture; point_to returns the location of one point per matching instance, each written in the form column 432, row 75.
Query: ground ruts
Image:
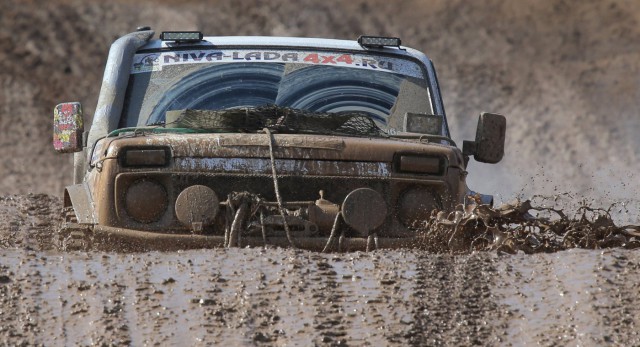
column 29, row 221
column 292, row 297
column 278, row 297
column 455, row 302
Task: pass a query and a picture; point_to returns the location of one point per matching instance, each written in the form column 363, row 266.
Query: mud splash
column 527, row 227
column 539, row 225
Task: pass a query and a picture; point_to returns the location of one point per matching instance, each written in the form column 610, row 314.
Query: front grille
column 292, row 188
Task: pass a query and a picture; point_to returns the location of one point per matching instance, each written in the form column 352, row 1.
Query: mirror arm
column 469, row 147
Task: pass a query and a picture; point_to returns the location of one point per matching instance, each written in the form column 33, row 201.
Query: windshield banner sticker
column 148, row 62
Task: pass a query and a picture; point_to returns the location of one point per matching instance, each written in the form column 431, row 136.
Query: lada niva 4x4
column 321, row 144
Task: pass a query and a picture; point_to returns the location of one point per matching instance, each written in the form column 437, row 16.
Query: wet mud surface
column 292, row 297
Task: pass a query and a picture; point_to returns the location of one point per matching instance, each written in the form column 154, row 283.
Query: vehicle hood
column 285, row 146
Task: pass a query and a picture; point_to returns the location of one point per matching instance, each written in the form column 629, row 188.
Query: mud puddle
column 235, row 296
column 287, row 297
column 292, row 297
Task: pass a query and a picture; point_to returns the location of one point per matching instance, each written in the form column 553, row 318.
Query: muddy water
column 285, row 297
column 290, row 297
column 576, row 297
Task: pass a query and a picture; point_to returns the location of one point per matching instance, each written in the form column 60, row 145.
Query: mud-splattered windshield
column 383, row 88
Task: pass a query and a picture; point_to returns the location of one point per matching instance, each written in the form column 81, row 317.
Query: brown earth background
column 565, row 73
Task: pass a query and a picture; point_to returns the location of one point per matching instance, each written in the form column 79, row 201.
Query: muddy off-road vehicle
column 320, row 144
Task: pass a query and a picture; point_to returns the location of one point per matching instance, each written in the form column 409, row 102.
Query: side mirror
column 489, row 144
column 68, row 127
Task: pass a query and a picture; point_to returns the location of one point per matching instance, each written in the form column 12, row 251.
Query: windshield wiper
column 427, row 137
column 137, row 131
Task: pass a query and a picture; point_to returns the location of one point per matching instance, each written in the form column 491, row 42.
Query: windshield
column 387, row 90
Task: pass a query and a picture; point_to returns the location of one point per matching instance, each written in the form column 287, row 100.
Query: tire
column 73, row 236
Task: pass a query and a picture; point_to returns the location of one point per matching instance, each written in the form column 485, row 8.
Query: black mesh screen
column 281, row 119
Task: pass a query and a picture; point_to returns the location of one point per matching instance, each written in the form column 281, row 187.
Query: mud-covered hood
column 289, row 146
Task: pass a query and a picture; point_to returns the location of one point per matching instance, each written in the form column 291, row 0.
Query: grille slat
column 292, row 188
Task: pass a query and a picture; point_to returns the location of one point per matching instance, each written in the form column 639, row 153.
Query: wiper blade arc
column 154, row 130
column 428, row 137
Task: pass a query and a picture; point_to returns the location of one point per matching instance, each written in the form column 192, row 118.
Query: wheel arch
column 78, row 196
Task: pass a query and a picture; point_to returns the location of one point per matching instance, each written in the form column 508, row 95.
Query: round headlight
column 364, row 209
column 146, row 201
column 415, row 205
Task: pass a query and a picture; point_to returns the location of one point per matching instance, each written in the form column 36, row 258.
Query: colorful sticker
column 147, row 62
column 67, row 127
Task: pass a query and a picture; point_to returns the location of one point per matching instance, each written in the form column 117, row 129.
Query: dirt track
column 565, row 74
column 289, row 297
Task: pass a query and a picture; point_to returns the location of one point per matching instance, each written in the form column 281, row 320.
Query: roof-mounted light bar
column 378, row 41
column 181, row 36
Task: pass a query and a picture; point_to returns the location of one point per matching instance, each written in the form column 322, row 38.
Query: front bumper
column 120, row 239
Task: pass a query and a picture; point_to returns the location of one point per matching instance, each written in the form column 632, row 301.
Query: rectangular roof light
column 181, row 36
column 378, row 41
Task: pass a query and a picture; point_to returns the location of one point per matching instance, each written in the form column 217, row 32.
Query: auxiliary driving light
column 364, row 209
column 181, row 36
column 197, row 206
column 378, row 41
